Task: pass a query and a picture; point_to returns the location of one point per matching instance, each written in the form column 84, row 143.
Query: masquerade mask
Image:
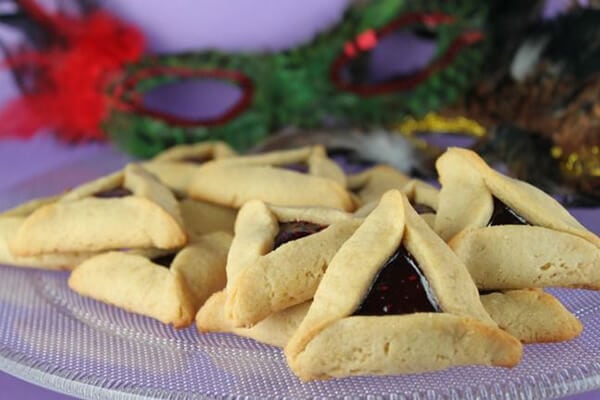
column 330, row 81
column 90, row 78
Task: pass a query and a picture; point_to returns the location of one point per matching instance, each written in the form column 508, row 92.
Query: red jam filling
column 296, row 167
column 289, row 231
column 399, row 288
column 197, row 159
column 421, row 208
column 504, row 215
column 111, row 193
column 164, row 261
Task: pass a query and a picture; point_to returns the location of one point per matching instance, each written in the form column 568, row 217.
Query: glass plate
column 55, row 338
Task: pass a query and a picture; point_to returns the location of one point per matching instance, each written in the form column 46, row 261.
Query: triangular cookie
column 128, row 209
column 508, row 233
column 440, row 323
column 531, row 315
column 170, row 288
column 278, row 256
column 276, row 329
column 196, row 153
column 10, row 222
column 372, row 183
column 175, row 166
column 200, row 217
column 277, row 178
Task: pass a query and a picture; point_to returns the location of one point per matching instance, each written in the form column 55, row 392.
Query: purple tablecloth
column 22, row 160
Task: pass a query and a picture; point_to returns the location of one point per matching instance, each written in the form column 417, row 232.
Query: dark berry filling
column 164, row 261
column 504, row 215
column 421, row 208
column 289, row 231
column 116, row 192
column 296, row 167
column 197, row 159
column 483, row 292
column 399, row 288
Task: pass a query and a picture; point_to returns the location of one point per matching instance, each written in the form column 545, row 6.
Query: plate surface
column 58, row 339
column 54, row 337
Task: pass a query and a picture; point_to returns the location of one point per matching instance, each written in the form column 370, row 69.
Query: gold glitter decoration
column 433, row 122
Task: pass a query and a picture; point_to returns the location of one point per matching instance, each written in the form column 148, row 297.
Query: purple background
column 173, row 26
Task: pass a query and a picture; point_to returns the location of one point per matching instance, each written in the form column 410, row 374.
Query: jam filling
column 164, row 261
column 296, row 167
column 289, row 231
column 399, row 288
column 115, row 192
column 421, row 208
column 504, row 215
column 197, row 159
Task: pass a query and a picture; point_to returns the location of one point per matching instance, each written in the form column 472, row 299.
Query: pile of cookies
column 364, row 274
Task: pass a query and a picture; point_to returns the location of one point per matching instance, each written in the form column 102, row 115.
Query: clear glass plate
column 58, row 339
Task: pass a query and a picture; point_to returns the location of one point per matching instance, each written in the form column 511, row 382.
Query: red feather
column 71, row 75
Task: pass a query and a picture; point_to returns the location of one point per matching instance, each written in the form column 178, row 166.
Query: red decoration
column 369, row 39
column 71, row 74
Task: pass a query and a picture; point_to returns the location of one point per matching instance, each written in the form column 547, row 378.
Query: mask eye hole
column 388, row 60
column 186, row 97
column 193, row 99
column 359, row 67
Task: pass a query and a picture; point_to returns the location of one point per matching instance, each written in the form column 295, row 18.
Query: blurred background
column 516, row 82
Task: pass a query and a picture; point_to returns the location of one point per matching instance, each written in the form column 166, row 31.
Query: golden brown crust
column 401, row 344
column 275, row 330
column 520, row 257
column 254, row 229
column 135, row 284
column 174, row 168
column 372, row 183
column 419, row 192
column 528, row 201
column 209, row 150
column 532, row 316
column 529, row 315
column 171, row 295
column 200, row 217
column 314, row 157
column 464, row 200
column 10, row 222
column 553, row 249
column 234, row 181
column 202, row 265
column 457, row 293
column 262, row 281
column 79, row 222
column 462, row 333
column 468, row 185
column 9, row 226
